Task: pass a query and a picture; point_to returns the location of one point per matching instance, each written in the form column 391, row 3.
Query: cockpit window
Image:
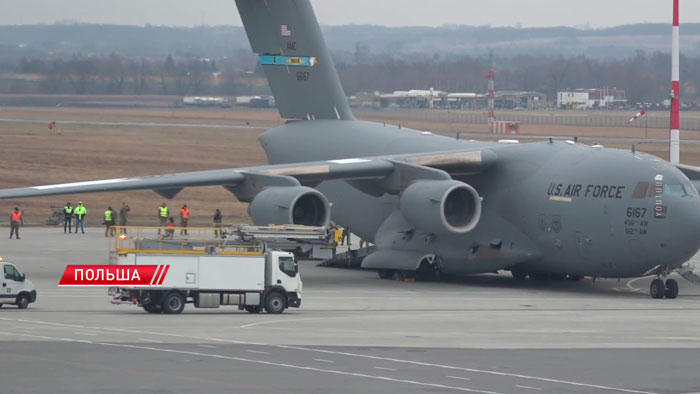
column 690, row 188
column 675, row 189
column 680, row 189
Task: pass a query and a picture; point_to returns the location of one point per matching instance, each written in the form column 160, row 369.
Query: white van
column 16, row 289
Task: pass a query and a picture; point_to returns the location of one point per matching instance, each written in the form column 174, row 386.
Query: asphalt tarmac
column 354, row 333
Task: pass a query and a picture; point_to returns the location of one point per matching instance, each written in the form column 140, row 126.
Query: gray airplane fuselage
column 554, row 207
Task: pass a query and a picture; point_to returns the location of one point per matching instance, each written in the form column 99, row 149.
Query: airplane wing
column 245, row 182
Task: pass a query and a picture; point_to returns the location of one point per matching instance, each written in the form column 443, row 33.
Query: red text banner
column 114, row 275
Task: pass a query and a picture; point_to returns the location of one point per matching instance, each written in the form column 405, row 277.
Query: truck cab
column 16, row 289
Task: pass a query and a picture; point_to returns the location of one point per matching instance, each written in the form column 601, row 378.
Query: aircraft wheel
column 426, row 272
column 657, row 289
column 386, row 274
column 671, row 289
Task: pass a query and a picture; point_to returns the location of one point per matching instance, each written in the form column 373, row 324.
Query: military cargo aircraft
column 434, row 204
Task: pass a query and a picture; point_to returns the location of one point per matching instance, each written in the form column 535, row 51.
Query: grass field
column 31, row 156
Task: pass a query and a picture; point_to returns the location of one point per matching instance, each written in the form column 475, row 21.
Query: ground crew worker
column 217, row 223
column 337, row 235
column 163, row 215
column 184, row 218
column 346, row 236
column 67, row 218
column 109, row 222
column 80, row 211
column 15, row 221
column 123, row 213
column 170, row 228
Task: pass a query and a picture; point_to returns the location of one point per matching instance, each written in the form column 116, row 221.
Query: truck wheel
column 386, row 274
column 252, row 308
column 275, row 303
column 152, row 308
column 22, row 301
column 173, row 303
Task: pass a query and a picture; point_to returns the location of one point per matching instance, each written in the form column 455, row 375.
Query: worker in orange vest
column 184, row 218
column 15, row 221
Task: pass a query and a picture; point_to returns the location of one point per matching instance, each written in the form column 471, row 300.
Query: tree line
column 644, row 76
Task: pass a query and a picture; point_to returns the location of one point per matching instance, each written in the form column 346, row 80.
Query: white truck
column 16, row 289
column 252, row 281
column 251, row 267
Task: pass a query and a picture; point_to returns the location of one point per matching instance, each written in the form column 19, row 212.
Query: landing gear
column 671, row 289
column 426, row 272
column 657, row 289
column 660, row 289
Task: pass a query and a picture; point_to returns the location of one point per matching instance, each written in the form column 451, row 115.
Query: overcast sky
column 527, row 13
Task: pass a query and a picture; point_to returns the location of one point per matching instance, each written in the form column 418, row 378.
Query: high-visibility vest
column 108, row 215
column 80, row 211
column 67, row 210
column 185, row 213
column 16, row 217
column 163, row 212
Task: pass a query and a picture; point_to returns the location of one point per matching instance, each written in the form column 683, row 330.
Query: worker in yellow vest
column 67, row 218
column 109, row 222
column 163, row 215
column 79, row 212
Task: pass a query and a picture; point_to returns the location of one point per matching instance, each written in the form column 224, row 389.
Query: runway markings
column 272, row 364
column 385, row 369
column 496, row 373
column 208, row 346
column 86, row 333
column 528, row 387
column 629, row 288
column 323, row 361
column 458, row 377
column 425, row 364
column 149, row 340
column 257, row 352
column 260, row 323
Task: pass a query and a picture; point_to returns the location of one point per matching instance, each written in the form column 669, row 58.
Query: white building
column 575, row 99
column 591, row 98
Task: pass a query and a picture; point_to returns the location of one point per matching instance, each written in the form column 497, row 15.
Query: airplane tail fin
column 293, row 53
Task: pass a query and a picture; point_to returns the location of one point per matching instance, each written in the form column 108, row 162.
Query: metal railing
column 180, row 240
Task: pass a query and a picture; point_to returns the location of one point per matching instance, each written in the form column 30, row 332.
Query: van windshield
column 289, row 266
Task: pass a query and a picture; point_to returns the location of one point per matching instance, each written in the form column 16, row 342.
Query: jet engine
column 290, row 205
column 441, row 207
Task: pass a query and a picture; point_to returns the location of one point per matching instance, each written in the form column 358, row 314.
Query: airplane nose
column 684, row 228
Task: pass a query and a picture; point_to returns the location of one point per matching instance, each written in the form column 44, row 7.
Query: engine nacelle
column 290, row 205
column 441, row 207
